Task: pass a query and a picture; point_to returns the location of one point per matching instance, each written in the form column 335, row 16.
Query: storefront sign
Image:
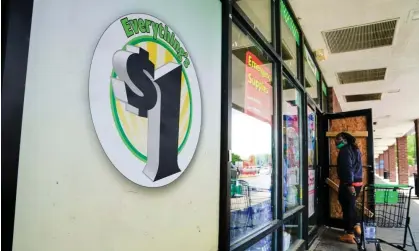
column 311, row 191
column 324, row 89
column 145, row 100
column 311, row 63
column 290, row 22
column 258, row 89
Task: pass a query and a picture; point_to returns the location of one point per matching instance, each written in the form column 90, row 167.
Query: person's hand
column 352, row 190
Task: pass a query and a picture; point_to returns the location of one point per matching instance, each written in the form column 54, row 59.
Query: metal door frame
column 325, row 159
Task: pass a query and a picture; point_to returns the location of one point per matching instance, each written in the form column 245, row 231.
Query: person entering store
column 350, row 175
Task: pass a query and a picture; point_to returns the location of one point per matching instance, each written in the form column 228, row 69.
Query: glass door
column 359, row 124
column 312, row 170
column 252, row 208
column 292, row 164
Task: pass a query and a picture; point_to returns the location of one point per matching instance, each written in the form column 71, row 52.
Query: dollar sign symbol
column 154, row 94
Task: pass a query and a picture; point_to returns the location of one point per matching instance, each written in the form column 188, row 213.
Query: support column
column 381, row 165
column 392, row 163
column 376, row 165
column 402, row 161
column 333, row 101
column 386, row 163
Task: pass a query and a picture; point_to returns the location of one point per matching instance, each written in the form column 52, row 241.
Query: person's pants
column 348, row 203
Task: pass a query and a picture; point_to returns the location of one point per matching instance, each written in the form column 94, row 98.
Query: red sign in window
column 258, row 90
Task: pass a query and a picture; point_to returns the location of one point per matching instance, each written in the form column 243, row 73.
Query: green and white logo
column 145, row 100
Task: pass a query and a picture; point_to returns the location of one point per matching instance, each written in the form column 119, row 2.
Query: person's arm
column 346, row 166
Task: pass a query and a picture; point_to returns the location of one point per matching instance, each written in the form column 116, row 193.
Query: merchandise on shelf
column 287, row 240
column 292, row 197
column 291, row 161
column 285, row 186
column 246, row 220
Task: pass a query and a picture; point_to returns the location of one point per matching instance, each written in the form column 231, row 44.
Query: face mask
column 340, row 144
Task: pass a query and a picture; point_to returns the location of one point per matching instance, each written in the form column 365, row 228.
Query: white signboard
column 145, row 100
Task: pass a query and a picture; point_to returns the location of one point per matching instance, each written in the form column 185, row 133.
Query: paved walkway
column 328, row 239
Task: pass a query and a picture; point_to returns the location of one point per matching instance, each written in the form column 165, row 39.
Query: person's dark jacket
column 349, row 165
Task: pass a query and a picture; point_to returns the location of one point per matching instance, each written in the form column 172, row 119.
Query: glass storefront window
column 290, row 39
column 312, row 164
column 263, row 245
column 259, row 13
column 312, row 139
column 312, row 76
column 251, row 138
column 292, row 231
column 292, row 165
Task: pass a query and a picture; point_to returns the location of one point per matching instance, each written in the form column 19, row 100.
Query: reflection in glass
column 290, row 39
column 259, row 13
column 251, row 138
column 263, row 245
column 291, row 110
column 312, row 76
column 312, row 139
column 292, row 231
column 312, row 165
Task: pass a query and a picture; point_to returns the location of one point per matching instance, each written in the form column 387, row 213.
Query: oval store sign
column 145, row 100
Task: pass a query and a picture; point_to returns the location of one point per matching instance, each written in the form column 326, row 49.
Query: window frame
column 232, row 13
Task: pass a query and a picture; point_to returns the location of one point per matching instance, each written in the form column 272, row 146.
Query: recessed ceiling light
column 320, row 55
column 414, row 15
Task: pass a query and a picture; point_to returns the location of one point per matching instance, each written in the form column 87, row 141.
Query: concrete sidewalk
column 328, row 240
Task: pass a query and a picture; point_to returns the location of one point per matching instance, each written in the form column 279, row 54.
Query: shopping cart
column 241, row 220
column 390, row 205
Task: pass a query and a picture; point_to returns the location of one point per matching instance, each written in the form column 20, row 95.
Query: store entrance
column 358, row 124
column 313, row 171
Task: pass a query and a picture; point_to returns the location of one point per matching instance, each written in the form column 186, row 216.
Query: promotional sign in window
column 311, row 191
column 258, row 89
